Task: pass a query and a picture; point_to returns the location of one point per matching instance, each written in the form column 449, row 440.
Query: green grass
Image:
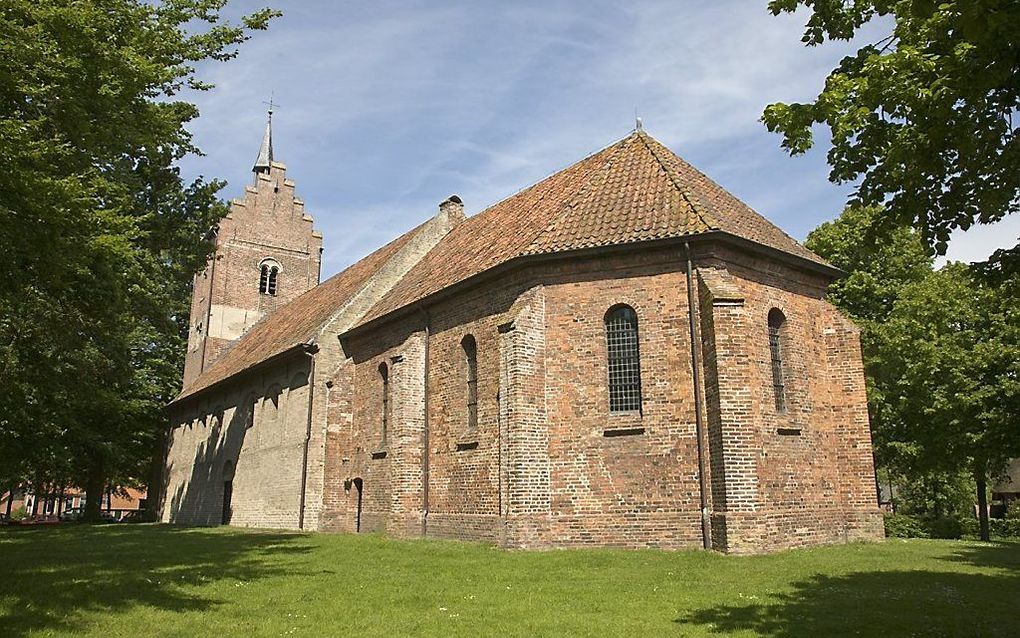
column 144, row 580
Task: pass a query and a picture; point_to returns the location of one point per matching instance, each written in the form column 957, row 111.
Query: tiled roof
column 296, row 322
column 634, row 190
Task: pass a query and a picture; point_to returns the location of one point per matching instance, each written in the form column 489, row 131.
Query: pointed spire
column 265, row 158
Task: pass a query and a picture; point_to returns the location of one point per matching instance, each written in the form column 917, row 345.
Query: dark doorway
column 228, row 491
column 358, row 484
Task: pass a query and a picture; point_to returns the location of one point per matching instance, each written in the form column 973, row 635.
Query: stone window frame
column 629, row 408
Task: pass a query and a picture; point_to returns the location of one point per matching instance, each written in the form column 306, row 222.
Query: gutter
column 699, row 417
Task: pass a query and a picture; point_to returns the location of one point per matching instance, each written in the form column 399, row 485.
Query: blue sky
column 388, row 107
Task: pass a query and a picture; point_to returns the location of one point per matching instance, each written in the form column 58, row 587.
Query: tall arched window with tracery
column 624, row 359
column 776, row 322
column 471, row 380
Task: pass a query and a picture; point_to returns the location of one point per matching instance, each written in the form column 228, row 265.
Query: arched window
column 471, row 376
column 776, row 321
column 384, row 421
column 269, row 274
column 624, row 359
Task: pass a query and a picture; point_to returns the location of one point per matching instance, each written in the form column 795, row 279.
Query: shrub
column 1008, row 527
column 971, row 527
column 904, row 526
column 19, row 514
column 949, row 527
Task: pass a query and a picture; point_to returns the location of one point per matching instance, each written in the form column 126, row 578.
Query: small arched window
column 384, row 421
column 776, row 321
column 471, row 377
column 624, row 359
column 269, row 275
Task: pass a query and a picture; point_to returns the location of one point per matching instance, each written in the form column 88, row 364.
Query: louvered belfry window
column 268, row 279
column 624, row 359
column 776, row 321
column 264, row 280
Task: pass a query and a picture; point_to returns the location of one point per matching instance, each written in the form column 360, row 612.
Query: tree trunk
column 982, row 498
column 94, row 485
column 10, row 501
column 154, row 486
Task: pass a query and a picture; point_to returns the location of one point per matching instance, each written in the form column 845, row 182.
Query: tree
column 99, row 233
column 952, row 347
column 941, row 353
column 924, row 118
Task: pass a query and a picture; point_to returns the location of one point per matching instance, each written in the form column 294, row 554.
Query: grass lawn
column 145, row 580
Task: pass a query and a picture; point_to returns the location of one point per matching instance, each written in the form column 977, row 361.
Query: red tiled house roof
column 635, row 190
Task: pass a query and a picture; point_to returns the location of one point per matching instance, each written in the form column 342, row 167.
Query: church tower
column 267, row 253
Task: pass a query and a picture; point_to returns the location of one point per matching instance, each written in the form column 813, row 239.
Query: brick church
column 623, row 354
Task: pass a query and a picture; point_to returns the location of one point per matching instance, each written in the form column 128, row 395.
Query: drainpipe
column 425, row 432
column 699, row 417
column 308, row 438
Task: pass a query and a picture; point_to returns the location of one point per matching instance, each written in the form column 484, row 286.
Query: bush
column 948, row 527
column 904, row 526
column 971, row 527
column 19, row 514
column 1008, row 527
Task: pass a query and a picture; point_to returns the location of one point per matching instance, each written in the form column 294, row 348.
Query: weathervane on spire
column 265, row 159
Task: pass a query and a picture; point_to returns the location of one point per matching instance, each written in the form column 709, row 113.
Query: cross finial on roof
column 265, row 158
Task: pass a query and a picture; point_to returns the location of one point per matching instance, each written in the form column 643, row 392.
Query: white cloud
column 979, row 242
column 389, row 107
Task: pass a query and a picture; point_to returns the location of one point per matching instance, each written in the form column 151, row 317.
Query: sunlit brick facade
column 358, row 407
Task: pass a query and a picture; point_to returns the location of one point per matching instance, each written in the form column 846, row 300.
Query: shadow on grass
column 54, row 577
column 977, row 600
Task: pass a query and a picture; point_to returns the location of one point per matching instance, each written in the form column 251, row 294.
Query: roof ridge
column 580, row 192
column 696, row 205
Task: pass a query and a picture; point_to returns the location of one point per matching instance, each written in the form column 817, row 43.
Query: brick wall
column 273, row 466
column 543, row 468
column 268, row 223
column 260, row 443
column 548, row 464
